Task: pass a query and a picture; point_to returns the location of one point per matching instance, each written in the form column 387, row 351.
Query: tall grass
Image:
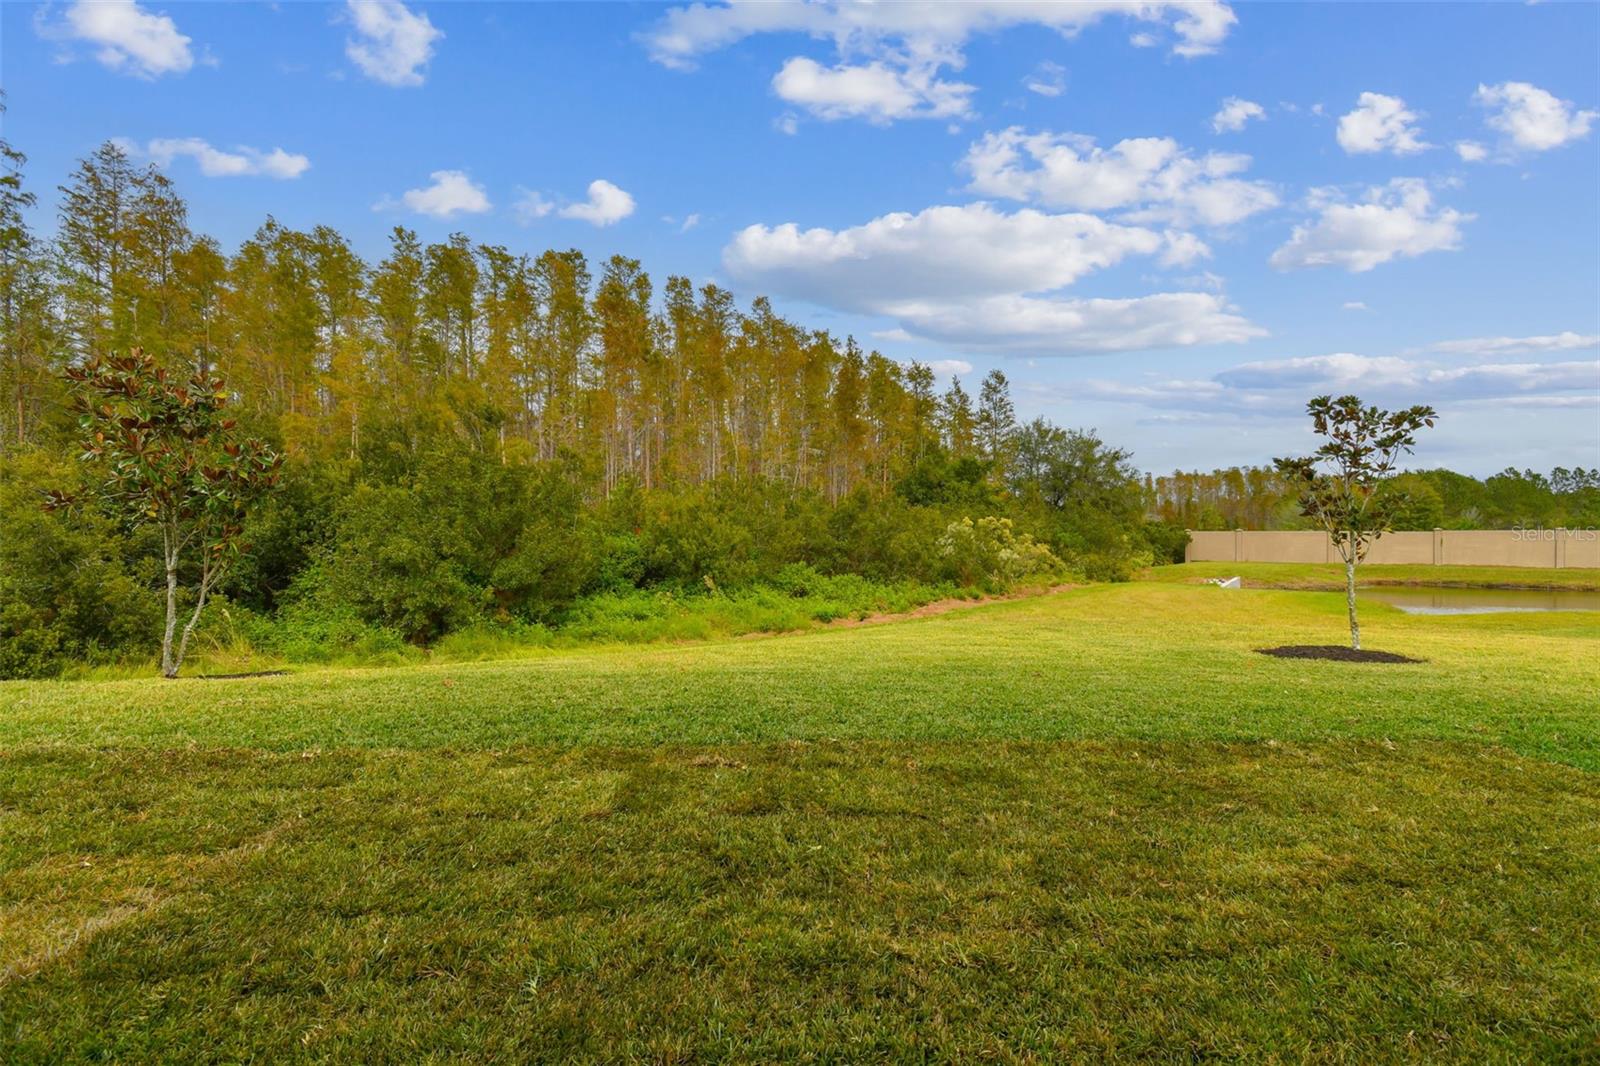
column 235, row 640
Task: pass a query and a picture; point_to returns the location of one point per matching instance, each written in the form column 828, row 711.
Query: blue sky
column 1173, row 225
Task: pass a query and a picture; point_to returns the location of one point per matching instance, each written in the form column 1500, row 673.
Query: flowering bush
column 991, row 554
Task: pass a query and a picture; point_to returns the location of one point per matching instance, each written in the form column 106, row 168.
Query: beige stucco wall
column 1565, row 548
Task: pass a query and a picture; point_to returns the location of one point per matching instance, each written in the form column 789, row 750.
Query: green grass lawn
column 1330, row 576
column 1068, row 827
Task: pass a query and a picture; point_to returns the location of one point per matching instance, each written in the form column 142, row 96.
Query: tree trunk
column 168, row 667
column 207, row 577
column 1350, row 603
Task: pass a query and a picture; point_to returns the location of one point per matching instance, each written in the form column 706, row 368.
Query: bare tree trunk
column 168, row 667
column 207, row 577
column 1350, row 602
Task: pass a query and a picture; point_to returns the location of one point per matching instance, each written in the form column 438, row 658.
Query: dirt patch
column 234, row 677
column 1336, row 652
column 943, row 607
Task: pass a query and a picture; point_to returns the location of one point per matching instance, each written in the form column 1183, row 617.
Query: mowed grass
column 1330, row 576
column 1090, row 824
column 1145, row 661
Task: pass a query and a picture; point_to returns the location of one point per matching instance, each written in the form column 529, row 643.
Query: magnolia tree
column 165, row 455
column 1344, row 485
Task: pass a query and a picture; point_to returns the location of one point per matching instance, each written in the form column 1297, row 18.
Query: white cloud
column 1471, row 151
column 690, row 221
column 1153, row 178
column 1336, row 371
column 392, row 44
column 891, row 54
column 1052, row 325
column 1566, row 341
column 1355, row 305
column 939, row 253
column 949, row 367
column 873, row 91
column 530, row 206
column 1428, row 382
column 1397, row 220
column 1234, row 113
column 1047, row 79
column 787, row 124
column 685, row 33
column 243, row 161
column 1531, row 118
column 452, row 193
column 1380, row 124
column 126, row 37
column 980, row 278
column 606, row 204
column 896, row 335
column 1276, row 387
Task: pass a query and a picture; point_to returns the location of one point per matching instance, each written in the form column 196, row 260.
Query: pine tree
column 996, row 422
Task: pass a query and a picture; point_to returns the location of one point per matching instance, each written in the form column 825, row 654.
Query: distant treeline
column 1259, row 498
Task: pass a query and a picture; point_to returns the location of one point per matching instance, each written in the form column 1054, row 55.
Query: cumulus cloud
column 1355, row 305
column 1381, row 123
column 124, row 37
column 1397, row 220
column 391, row 43
column 606, row 204
column 981, row 278
column 1152, row 179
column 891, row 55
column 874, row 91
column 452, row 193
column 1531, row 119
column 938, row 253
column 242, row 161
column 1471, row 151
column 1234, row 113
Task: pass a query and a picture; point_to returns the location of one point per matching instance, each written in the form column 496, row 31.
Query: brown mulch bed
column 1336, row 652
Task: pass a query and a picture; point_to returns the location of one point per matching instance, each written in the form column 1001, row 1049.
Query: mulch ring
column 1336, row 652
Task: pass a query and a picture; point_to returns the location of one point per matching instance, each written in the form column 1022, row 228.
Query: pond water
column 1424, row 599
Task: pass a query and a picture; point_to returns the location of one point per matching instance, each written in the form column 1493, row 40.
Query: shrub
column 72, row 585
column 988, row 553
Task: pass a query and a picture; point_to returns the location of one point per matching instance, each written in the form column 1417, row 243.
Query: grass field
column 1059, row 828
column 1330, row 576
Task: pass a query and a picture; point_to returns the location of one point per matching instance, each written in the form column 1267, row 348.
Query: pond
column 1414, row 599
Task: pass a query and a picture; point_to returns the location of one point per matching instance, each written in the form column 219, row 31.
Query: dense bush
column 989, row 554
column 72, row 586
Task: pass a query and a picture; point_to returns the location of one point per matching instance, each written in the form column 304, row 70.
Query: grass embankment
column 1330, row 577
column 235, row 641
column 1087, row 824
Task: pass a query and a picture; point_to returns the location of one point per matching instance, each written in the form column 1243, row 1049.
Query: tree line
column 1261, row 497
column 526, row 356
column 475, row 436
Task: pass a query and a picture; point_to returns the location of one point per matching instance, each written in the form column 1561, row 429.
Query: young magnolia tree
column 165, row 455
column 1343, row 486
